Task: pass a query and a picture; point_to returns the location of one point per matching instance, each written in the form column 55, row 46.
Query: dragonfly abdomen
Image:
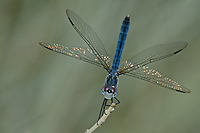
column 121, row 42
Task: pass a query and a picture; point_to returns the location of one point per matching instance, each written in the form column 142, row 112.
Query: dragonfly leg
column 117, row 100
column 111, row 101
column 102, row 108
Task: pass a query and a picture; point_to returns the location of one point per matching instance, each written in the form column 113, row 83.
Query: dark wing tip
column 70, row 21
column 188, row 91
column 180, row 91
column 67, row 12
column 178, row 51
column 182, row 43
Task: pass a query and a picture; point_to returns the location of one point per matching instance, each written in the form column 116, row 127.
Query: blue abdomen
column 121, row 42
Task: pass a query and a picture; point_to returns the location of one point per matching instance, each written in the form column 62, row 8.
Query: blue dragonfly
column 136, row 67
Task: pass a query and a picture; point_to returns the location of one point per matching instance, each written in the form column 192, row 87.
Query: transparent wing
column 150, row 55
column 81, row 53
column 153, row 76
column 90, row 37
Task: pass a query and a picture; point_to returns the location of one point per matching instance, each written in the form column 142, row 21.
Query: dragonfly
column 96, row 54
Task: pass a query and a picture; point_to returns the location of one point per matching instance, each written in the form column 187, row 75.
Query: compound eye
column 109, row 89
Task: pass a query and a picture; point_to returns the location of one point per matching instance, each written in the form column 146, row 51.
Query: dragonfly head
column 109, row 91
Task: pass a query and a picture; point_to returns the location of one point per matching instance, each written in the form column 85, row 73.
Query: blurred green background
column 45, row 92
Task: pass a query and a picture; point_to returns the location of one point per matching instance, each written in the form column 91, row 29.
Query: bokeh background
column 46, row 92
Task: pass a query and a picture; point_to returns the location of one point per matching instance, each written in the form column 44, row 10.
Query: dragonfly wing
column 81, row 53
column 153, row 76
column 90, row 37
column 150, row 55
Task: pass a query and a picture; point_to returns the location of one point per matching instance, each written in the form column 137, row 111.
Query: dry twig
column 102, row 119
